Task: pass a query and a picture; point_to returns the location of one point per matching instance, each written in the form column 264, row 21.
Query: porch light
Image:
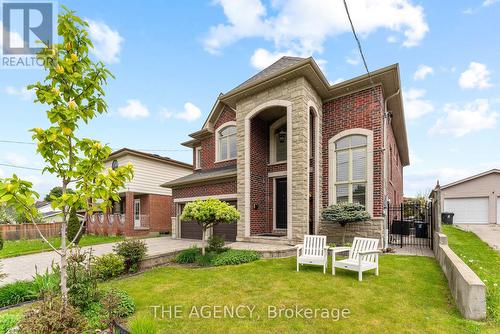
column 282, row 136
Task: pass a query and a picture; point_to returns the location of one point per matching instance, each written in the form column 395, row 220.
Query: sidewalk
column 25, row 266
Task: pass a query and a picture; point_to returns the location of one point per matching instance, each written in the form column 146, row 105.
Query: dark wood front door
column 281, row 204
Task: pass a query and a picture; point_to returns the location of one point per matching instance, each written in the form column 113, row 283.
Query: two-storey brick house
column 286, row 143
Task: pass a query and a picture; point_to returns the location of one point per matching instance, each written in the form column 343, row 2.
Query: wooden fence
column 29, row 231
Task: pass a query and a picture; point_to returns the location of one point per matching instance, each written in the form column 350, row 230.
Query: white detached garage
column 474, row 200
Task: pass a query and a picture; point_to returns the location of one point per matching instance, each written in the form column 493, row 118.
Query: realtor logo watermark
column 27, row 28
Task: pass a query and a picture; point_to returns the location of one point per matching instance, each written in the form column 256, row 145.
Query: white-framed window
column 278, row 141
column 351, row 169
column 197, row 158
column 351, row 152
column 225, row 144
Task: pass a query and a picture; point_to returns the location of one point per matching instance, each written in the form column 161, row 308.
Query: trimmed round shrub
column 108, row 266
column 235, row 256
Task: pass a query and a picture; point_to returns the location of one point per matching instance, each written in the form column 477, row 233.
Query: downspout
column 386, row 122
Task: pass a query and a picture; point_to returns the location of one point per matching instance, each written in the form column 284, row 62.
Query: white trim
column 272, row 141
column 190, row 199
column 248, row 117
column 197, row 157
column 137, row 223
column 317, row 171
column 332, row 198
column 276, row 174
column 222, row 126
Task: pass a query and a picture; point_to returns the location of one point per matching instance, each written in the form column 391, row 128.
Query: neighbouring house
column 286, row 143
column 473, row 200
column 145, row 208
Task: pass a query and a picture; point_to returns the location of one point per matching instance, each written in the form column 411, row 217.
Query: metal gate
column 410, row 224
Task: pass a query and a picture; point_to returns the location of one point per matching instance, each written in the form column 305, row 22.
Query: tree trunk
column 203, row 242
column 64, row 265
column 343, row 235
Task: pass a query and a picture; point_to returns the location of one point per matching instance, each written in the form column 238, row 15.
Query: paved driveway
column 24, row 267
column 488, row 233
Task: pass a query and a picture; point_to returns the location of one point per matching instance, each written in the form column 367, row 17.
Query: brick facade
column 208, row 145
column 304, row 169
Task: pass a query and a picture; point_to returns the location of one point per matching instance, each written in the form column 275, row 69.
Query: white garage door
column 468, row 210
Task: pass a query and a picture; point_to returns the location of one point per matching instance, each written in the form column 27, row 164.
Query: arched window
column 226, row 143
column 351, row 169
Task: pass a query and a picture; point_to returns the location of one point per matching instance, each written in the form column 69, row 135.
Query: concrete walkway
column 488, row 233
column 25, row 266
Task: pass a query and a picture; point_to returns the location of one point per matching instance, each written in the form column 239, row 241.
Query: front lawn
column 410, row 296
column 22, row 247
column 481, row 258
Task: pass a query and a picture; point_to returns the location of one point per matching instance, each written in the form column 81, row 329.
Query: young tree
column 73, row 93
column 344, row 214
column 209, row 213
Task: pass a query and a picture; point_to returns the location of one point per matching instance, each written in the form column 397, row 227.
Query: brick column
column 129, row 213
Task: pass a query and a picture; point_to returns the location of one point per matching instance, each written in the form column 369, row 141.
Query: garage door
column 472, row 210
column 227, row 231
column 190, row 230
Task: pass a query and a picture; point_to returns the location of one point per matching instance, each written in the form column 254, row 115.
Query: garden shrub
column 116, row 305
column 7, row 321
column 205, row 260
column 50, row 317
column 144, row 325
column 17, row 292
column 82, row 282
column 235, row 256
column 47, row 283
column 108, row 266
column 73, row 227
column 133, row 252
column 188, row 255
column 216, row 244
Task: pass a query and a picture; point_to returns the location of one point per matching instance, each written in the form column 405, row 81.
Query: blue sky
column 172, row 58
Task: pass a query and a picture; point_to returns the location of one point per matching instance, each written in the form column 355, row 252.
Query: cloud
column 301, row 27
column 16, row 159
column 476, row 76
column 415, row 105
column 262, row 58
column 487, row 3
column 165, row 114
column 21, row 92
column 336, row 81
column 107, row 42
column 462, row 120
column 422, row 72
column 15, row 38
column 134, row 109
column 352, row 60
column 191, row 112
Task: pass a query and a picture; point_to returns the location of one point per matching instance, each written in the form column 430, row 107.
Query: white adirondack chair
column 313, row 251
column 363, row 256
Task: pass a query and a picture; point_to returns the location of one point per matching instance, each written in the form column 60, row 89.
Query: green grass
column 22, row 247
column 481, row 258
column 410, row 296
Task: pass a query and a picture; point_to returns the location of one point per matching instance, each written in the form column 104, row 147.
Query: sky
column 171, row 59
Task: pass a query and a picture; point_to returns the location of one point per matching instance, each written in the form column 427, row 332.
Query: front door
column 137, row 213
column 281, row 204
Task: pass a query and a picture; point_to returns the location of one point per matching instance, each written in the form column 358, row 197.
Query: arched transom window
column 351, row 169
column 226, row 140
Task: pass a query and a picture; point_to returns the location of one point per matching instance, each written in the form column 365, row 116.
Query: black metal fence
column 410, row 225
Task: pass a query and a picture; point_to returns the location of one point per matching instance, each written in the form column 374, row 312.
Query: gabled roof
column 287, row 68
column 491, row 171
column 127, row 151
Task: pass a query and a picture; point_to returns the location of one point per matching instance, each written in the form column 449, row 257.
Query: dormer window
column 226, row 142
